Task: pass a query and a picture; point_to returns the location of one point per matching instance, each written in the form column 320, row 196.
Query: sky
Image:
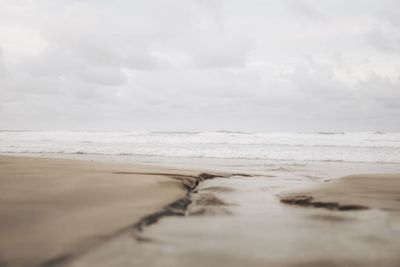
column 200, row 65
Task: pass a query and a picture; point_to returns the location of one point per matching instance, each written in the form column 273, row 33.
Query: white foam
column 354, row 146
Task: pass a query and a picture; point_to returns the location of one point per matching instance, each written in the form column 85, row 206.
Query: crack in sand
column 176, row 208
column 308, row 201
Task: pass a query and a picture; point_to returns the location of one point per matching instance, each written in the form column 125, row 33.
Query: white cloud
column 200, row 65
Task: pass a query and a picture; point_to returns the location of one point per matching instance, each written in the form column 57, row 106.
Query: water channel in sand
column 238, row 221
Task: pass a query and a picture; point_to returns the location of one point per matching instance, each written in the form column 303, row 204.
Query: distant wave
column 330, row 133
column 234, row 132
column 332, row 146
column 177, row 132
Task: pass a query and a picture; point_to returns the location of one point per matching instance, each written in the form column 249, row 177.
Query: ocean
column 368, row 147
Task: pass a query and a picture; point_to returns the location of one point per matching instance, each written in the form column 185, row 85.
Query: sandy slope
column 52, row 208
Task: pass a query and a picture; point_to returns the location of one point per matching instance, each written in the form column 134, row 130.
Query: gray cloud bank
column 290, row 65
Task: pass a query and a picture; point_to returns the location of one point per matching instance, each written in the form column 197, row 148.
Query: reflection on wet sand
column 238, row 221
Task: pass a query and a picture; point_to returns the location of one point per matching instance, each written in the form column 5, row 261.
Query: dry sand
column 51, row 209
column 355, row 192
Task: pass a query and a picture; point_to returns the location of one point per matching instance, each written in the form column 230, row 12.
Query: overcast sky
column 277, row 65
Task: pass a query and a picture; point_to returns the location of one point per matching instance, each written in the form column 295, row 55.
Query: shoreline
column 106, row 157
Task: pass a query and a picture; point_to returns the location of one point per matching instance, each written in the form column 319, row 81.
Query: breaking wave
column 335, row 146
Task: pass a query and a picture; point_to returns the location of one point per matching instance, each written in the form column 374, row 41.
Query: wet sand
column 231, row 221
column 240, row 221
column 54, row 209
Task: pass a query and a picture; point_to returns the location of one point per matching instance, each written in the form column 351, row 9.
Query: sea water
column 323, row 146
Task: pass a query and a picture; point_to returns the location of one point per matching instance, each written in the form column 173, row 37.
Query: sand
column 354, row 192
column 52, row 209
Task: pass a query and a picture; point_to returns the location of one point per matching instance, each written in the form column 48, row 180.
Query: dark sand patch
column 331, row 218
column 355, row 192
column 209, row 200
column 201, row 211
column 308, row 201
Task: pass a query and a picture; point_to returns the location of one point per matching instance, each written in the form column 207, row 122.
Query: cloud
column 383, row 91
column 220, row 51
column 384, row 40
column 199, row 65
column 304, row 9
column 2, row 64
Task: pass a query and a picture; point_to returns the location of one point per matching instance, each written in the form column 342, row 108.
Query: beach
column 118, row 211
column 200, row 133
column 54, row 209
